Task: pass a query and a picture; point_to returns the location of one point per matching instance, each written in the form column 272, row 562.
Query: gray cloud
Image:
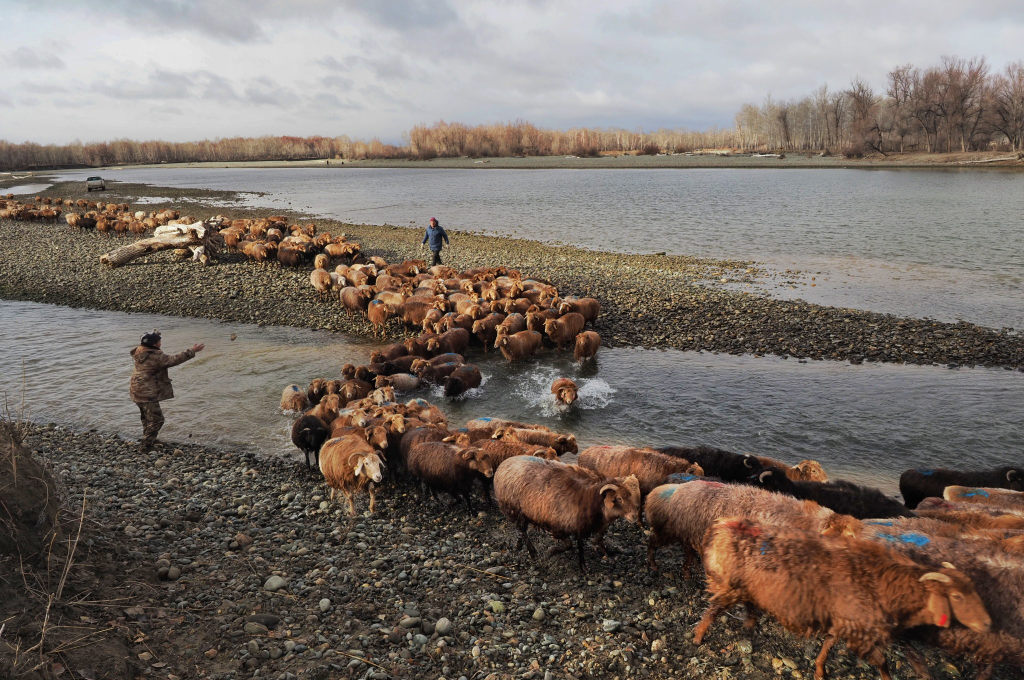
column 162, row 84
column 23, row 57
column 231, row 20
column 264, row 91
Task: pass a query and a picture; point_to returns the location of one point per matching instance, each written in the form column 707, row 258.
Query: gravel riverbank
column 648, row 300
column 240, row 567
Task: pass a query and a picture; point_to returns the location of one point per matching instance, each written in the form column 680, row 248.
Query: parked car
column 95, row 183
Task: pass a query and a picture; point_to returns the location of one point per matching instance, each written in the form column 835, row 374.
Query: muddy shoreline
column 651, row 301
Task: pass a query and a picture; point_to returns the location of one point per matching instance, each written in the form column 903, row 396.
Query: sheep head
column 478, row 460
column 371, row 466
column 948, row 589
column 621, row 498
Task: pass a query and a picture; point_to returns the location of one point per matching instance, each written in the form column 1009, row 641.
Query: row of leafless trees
column 959, row 105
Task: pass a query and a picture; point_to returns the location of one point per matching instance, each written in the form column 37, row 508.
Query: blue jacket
column 435, row 236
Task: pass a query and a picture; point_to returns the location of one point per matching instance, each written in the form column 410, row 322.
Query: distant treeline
column 958, row 105
column 442, row 139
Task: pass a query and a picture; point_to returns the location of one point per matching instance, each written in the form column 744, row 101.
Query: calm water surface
column 943, row 244
column 867, row 423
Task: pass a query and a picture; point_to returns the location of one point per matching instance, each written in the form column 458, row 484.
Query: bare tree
column 1007, row 95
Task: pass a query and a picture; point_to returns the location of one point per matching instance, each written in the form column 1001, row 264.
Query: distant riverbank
column 969, row 160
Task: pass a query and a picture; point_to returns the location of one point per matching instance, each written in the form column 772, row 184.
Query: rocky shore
column 240, row 567
column 648, row 300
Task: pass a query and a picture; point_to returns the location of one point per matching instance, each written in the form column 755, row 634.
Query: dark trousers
column 437, row 257
column 152, row 420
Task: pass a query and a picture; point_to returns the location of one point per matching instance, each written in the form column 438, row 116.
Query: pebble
column 744, row 647
column 443, row 626
column 274, row 584
column 611, row 626
column 253, row 628
column 538, row 614
column 325, row 605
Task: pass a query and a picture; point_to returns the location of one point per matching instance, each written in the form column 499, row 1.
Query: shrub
column 649, row 150
column 586, row 151
column 853, row 151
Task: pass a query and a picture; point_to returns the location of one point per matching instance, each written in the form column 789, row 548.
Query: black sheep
column 726, row 465
column 846, row 498
column 921, row 483
column 308, row 434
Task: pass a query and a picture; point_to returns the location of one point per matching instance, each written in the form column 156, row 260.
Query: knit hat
column 151, row 339
column 434, row 219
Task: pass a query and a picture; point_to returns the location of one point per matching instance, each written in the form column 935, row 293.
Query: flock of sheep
column 822, row 557
column 105, row 218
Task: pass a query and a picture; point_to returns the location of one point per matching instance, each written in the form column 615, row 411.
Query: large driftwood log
column 171, row 236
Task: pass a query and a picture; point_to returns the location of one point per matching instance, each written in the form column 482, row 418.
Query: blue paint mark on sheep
column 914, row 539
column 485, row 420
column 766, row 545
column 879, row 523
column 295, row 388
column 975, row 492
column 681, row 477
column 667, row 492
column 533, row 459
column 925, row 471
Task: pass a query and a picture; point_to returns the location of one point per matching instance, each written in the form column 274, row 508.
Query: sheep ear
column 359, row 467
column 938, row 607
column 947, row 565
column 935, row 576
column 764, row 475
column 746, row 462
column 1011, row 475
column 450, row 438
column 467, row 454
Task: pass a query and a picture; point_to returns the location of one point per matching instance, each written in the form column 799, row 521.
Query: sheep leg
column 373, row 498
column 653, row 543
column 877, row 659
column 750, row 622
column 917, row 662
column 701, row 629
column 524, row 527
column 579, row 553
column 351, row 504
column 563, row 545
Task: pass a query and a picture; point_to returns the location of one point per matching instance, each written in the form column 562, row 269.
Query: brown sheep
column 401, row 382
column 316, row 391
column 1004, row 499
column 454, row 341
column 452, row 320
column 587, row 344
column 565, row 391
column 353, row 390
column 294, row 399
column 493, row 424
column 521, row 345
column 432, row 319
column 436, row 374
column 804, row 471
column 389, row 353
column 564, row 329
column 565, row 500
column 355, row 300
column 417, row 434
column 422, row 409
column 377, row 312
column 486, row 329
column 871, row 595
column 291, row 257
column 562, row 443
column 647, row 465
column 588, row 308
column 461, row 380
column 536, row 318
column 350, row 464
column 978, row 520
column 683, row 513
column 418, row 346
column 327, row 409
column 321, row 281
column 448, row 468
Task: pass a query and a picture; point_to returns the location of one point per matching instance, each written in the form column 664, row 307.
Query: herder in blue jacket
column 435, row 232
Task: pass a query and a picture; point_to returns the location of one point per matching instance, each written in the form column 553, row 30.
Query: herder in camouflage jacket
column 150, row 383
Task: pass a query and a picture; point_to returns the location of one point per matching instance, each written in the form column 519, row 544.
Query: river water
column 942, row 244
column 867, row 423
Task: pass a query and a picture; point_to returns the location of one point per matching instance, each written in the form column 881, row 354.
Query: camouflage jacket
column 150, row 381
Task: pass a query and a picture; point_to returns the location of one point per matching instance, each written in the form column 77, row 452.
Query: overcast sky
column 182, row 70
